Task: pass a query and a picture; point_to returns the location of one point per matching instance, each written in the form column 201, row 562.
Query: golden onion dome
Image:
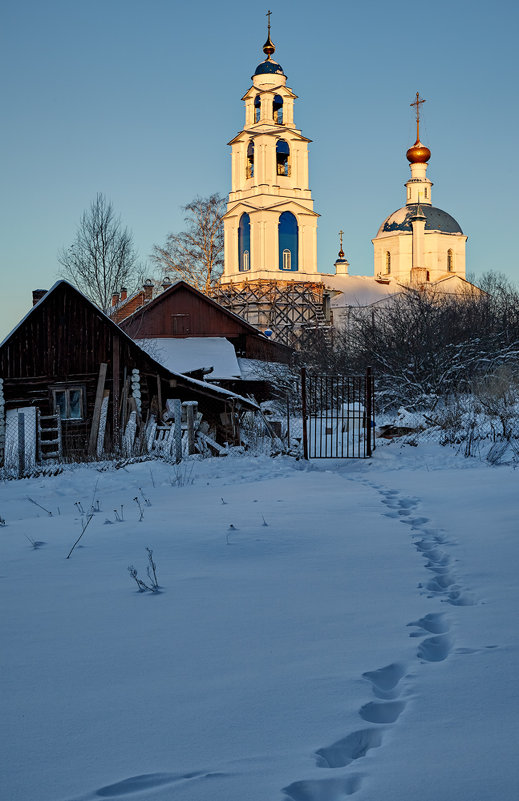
column 269, row 47
column 418, row 153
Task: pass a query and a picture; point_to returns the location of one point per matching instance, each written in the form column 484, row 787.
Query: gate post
column 369, row 411
column 303, row 404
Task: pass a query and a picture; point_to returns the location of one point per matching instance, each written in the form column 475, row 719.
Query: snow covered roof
column 435, row 220
column 194, row 353
column 359, row 290
column 202, row 386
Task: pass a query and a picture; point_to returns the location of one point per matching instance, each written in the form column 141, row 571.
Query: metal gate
column 338, row 416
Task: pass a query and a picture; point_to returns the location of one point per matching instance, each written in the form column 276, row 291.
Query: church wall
column 435, row 255
column 437, row 246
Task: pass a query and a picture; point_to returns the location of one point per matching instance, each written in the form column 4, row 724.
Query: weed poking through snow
column 141, row 510
column 39, row 504
column 183, row 475
column 35, row 543
column 151, row 570
column 144, row 498
column 85, row 526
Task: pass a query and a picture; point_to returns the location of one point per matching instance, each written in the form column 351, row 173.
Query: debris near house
column 392, row 431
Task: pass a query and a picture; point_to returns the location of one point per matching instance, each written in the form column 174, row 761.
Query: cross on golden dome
column 268, row 47
column 418, row 153
column 418, row 102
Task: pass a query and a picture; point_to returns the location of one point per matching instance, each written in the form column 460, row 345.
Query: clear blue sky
column 138, row 98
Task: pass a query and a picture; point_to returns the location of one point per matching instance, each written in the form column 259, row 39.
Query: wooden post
column 2, row 421
column 21, row 444
column 159, row 399
column 177, row 408
column 190, row 418
column 303, row 404
column 288, row 422
column 116, row 428
column 92, row 445
column 102, row 424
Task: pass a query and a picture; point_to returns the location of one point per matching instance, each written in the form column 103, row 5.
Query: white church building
column 271, row 227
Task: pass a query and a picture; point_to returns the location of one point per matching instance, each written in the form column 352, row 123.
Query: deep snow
column 323, row 630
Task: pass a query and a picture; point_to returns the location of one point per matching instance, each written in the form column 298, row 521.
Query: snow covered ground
column 323, row 630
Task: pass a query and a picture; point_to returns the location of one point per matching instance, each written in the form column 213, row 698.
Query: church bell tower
column 270, row 225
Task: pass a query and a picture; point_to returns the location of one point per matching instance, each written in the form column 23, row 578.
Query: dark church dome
column 269, row 66
column 435, row 220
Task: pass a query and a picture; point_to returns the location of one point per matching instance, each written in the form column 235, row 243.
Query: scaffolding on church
column 293, row 310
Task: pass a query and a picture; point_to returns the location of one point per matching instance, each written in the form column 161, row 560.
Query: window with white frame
column 69, row 401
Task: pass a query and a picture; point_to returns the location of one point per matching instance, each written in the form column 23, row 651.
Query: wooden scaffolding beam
column 291, row 309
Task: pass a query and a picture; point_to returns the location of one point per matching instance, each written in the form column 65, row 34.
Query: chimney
column 166, row 282
column 148, row 290
column 124, row 293
column 115, row 298
column 37, row 295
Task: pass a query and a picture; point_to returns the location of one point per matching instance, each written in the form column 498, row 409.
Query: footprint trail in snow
column 387, row 683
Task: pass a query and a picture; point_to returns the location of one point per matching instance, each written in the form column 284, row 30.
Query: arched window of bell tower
column 278, row 109
column 244, row 243
column 257, row 108
column 388, row 262
column 288, row 242
column 450, row 261
column 282, row 158
column 250, row 159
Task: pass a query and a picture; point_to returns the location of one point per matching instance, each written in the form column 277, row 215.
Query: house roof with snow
column 214, row 355
column 63, row 339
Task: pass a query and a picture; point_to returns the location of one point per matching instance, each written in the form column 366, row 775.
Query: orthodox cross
column 418, row 102
column 341, row 252
column 268, row 15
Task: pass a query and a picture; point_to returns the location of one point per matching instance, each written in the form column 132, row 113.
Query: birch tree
column 102, row 258
column 195, row 255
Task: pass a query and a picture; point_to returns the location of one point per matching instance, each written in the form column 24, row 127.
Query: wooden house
column 72, row 364
column 180, row 312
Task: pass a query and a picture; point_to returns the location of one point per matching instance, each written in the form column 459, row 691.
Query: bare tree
column 102, row 257
column 196, row 254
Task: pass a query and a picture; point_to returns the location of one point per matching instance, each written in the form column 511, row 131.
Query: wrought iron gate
column 338, row 416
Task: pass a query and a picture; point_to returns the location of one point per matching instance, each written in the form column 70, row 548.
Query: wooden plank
column 116, row 429
column 92, row 445
column 190, row 417
column 220, row 450
column 102, row 423
column 159, row 398
column 177, row 406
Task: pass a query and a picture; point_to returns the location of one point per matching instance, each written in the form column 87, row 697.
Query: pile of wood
column 181, row 432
